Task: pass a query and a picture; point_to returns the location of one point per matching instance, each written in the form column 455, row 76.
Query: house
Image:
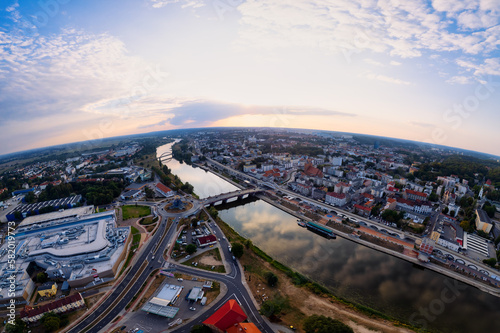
column 206, row 241
column 164, row 190
column 312, row 171
column 229, row 314
column 390, row 204
column 243, row 327
column 63, row 305
column 337, row 199
column 362, row 210
column 48, row 290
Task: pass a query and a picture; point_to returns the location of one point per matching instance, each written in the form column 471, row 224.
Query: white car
column 192, row 309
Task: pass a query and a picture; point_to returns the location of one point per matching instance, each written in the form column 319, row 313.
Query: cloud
column 403, row 29
column 373, row 62
column 384, row 78
column 184, row 3
column 460, row 79
column 420, row 124
column 395, row 63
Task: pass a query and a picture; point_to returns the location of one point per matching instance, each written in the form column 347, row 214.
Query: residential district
column 99, row 232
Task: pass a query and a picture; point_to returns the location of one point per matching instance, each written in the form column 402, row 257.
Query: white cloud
column 384, row 78
column 184, row 3
column 406, row 29
column 373, row 62
column 395, row 63
column 460, row 79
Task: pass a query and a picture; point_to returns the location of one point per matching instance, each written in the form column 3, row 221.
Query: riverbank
column 301, row 296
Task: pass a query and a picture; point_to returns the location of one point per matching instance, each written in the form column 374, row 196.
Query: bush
column 191, row 248
column 322, row 324
column 271, row 278
column 237, row 250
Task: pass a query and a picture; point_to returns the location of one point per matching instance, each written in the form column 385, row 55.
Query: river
column 352, row 271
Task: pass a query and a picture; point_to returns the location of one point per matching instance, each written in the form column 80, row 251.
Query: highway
column 130, row 290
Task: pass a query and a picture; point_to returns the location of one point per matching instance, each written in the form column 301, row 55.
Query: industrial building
column 83, row 250
column 36, row 208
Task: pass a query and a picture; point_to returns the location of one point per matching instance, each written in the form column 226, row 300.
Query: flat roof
column 73, row 212
column 169, row 292
column 165, row 311
column 195, row 293
column 63, row 202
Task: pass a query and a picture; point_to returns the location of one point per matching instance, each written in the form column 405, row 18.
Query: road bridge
column 224, row 197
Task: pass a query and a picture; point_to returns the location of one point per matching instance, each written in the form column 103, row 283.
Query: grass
column 148, row 220
column 136, row 239
column 132, row 211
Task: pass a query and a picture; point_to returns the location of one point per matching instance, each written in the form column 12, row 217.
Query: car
column 123, row 327
column 180, row 279
column 192, row 309
column 188, row 256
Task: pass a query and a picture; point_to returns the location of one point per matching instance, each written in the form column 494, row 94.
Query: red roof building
column 227, row 316
column 164, row 190
column 243, row 327
column 66, row 304
column 206, row 240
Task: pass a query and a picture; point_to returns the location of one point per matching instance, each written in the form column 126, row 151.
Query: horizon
column 250, row 128
column 423, row 71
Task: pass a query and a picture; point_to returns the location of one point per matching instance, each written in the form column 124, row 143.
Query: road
column 145, row 255
column 233, row 281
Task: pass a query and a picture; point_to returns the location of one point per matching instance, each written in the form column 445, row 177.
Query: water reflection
column 352, row 271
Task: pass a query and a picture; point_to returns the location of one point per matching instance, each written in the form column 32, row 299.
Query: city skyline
column 419, row 71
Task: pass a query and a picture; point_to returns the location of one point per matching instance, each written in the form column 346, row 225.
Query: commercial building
column 130, row 194
column 84, row 250
column 162, row 303
column 206, row 241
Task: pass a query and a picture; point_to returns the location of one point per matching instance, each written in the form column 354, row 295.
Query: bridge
column 165, row 157
column 224, row 197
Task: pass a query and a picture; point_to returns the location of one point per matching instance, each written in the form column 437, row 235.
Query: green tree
column 19, row 327
column 149, row 193
column 200, row 329
column 271, row 279
column 433, row 197
column 274, row 306
column 191, row 248
column 237, row 249
column 41, row 277
column 213, row 212
column 490, row 262
column 322, row 324
column 445, row 210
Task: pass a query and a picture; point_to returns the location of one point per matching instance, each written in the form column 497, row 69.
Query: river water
column 352, row 271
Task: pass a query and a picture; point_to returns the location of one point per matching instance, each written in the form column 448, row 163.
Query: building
column 196, row 294
column 48, row 290
column 415, row 195
column 44, row 206
column 162, row 303
column 362, row 210
column 84, row 250
column 243, row 327
column 206, row 241
column 249, row 167
column 130, row 194
column 228, row 315
column 135, row 186
column 336, row 199
column 63, row 305
column 164, row 190
column 483, row 221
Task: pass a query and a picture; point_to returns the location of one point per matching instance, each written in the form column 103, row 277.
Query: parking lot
column 147, row 322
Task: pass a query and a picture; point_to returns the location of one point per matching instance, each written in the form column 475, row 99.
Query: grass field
column 132, row 211
column 136, row 239
column 212, row 253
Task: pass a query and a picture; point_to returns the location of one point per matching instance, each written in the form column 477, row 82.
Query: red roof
column 336, row 195
column 243, row 327
column 163, row 188
column 420, row 194
column 362, row 208
column 229, row 314
column 207, row 239
column 51, row 306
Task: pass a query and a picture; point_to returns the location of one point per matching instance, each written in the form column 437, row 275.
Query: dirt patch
column 210, row 260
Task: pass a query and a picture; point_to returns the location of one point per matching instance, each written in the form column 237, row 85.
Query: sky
column 81, row 70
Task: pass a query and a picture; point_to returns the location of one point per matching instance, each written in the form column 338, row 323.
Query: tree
column 497, row 240
column 194, row 222
column 273, row 307
column 490, row 262
column 237, row 250
column 51, row 322
column 433, row 197
column 322, row 324
column 149, row 193
column 271, row 279
column 19, row 327
column 191, row 248
column 465, row 225
column 200, row 329
column 41, row 277
column 445, row 210
column 213, row 212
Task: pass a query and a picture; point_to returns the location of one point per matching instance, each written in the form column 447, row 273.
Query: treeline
column 465, row 167
column 182, row 152
column 305, row 150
